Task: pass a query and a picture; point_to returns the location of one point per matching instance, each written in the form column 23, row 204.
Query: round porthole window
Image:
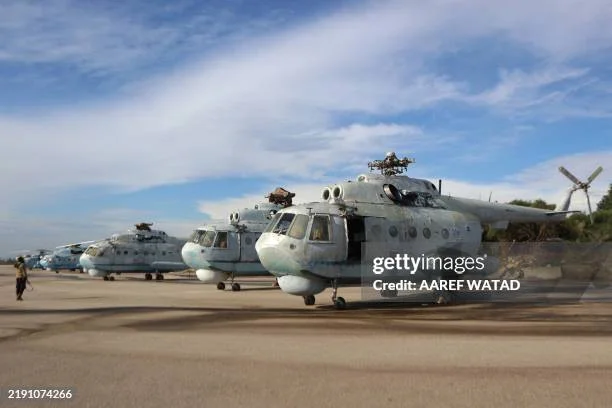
column 393, row 231
column 426, row 233
column 412, row 231
column 445, row 233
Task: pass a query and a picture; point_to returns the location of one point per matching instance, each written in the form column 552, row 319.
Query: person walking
column 22, row 277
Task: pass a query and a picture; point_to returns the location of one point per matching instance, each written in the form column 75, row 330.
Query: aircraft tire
column 112, row 278
column 235, row 287
column 148, row 276
column 221, row 286
column 309, row 300
column 105, row 278
column 340, row 303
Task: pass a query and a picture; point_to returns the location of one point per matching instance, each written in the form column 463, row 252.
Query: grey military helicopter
column 140, row 250
column 65, row 257
column 32, row 258
column 224, row 250
column 310, row 247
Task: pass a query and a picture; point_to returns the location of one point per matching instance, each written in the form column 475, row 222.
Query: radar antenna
column 391, row 165
column 143, row 226
column 281, row 196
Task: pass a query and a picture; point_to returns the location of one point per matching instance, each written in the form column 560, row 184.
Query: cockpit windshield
column 207, row 238
column 272, row 223
column 298, row 227
column 92, row 251
column 282, row 226
column 195, row 237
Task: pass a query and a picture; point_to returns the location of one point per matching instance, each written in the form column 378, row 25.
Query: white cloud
column 231, row 106
column 275, row 104
column 103, row 37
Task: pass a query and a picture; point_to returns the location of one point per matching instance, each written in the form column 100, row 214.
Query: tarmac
column 182, row 343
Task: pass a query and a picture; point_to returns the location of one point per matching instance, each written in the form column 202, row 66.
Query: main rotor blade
column 569, row 175
column 594, row 175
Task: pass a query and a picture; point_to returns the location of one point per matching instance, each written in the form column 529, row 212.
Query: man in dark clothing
column 22, row 277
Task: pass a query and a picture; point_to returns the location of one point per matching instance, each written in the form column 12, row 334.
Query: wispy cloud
column 107, row 37
column 278, row 102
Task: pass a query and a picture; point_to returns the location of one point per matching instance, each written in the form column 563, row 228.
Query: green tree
column 606, row 201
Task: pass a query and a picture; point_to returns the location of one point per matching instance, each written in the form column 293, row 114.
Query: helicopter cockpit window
column 283, row 224
column 91, row 251
column 207, row 238
column 298, row 228
column 195, row 237
column 273, row 222
column 320, row 228
column 221, row 241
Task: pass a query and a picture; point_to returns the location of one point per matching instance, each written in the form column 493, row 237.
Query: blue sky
column 113, row 113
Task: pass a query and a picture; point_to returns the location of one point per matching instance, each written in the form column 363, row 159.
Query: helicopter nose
column 86, row 261
column 274, row 257
column 190, row 253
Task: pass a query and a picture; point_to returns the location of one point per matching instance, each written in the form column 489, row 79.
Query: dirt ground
column 181, row 343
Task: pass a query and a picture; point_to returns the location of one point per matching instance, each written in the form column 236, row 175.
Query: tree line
column 576, row 228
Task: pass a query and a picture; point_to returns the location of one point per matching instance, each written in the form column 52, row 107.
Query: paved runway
column 180, row 343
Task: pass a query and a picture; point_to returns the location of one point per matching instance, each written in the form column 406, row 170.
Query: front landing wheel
column 309, row 300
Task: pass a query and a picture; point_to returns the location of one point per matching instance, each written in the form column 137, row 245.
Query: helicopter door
column 355, row 228
column 327, row 239
column 139, row 258
column 225, row 247
column 247, row 247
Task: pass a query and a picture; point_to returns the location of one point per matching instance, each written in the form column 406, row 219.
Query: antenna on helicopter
column 579, row 185
column 281, row 196
column 391, row 165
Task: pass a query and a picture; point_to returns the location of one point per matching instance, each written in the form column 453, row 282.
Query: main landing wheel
column 340, row 303
column 112, row 278
column 235, row 287
column 159, row 277
column 105, row 278
column 148, row 276
column 309, row 300
column 221, row 286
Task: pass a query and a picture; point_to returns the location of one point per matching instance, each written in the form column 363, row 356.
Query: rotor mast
column 391, row 165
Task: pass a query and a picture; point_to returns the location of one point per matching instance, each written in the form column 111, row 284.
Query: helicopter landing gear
column 309, row 300
column 159, row 276
column 388, row 293
column 221, row 286
column 235, row 287
column 445, row 297
column 339, row 302
column 148, row 276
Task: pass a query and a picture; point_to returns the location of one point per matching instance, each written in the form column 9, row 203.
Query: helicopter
column 223, row 250
column 32, row 261
column 310, row 247
column 65, row 257
column 140, row 250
